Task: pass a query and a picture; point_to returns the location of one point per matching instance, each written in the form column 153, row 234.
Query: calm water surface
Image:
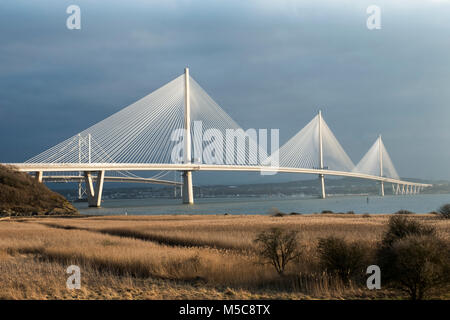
column 239, row 205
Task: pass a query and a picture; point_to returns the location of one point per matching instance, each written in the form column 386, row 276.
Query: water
column 422, row 203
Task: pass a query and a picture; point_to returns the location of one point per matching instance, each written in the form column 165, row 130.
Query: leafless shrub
column 344, row 259
column 278, row 247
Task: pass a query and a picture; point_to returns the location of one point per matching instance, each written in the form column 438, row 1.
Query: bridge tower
column 93, row 188
column 321, row 176
column 81, row 190
column 380, row 153
column 188, row 192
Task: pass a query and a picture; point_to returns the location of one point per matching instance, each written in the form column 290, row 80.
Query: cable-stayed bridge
column 179, row 127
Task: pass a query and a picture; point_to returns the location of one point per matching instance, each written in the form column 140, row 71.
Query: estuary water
column 421, row 203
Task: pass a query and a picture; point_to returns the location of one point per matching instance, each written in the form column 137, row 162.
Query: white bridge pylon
column 141, row 137
column 377, row 161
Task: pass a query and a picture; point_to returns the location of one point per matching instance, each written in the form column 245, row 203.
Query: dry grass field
column 178, row 257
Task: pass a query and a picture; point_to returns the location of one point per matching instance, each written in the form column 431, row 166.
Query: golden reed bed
column 176, row 257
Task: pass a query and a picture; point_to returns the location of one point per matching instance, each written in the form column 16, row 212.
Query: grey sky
column 269, row 64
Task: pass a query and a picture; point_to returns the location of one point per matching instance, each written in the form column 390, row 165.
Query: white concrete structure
column 188, row 191
column 94, row 193
column 321, row 176
column 380, row 150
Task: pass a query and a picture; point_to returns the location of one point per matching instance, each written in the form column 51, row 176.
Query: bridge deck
column 61, row 167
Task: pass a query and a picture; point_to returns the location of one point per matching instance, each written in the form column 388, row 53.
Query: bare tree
column 278, row 247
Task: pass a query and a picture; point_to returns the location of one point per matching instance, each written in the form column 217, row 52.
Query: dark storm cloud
column 269, row 64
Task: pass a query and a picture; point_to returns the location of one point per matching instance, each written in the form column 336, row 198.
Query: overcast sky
column 269, row 64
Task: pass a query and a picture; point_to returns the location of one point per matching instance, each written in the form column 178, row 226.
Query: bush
column 279, row 214
column 275, row 212
column 402, row 211
column 416, row 264
column 346, row 260
column 400, row 227
column 412, row 258
column 278, row 247
column 328, row 211
column 445, row 211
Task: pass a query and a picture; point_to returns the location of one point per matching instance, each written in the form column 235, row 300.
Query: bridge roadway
column 93, row 167
column 94, row 192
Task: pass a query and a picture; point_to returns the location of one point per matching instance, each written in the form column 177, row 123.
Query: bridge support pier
column 322, row 186
column 382, row 188
column 94, row 193
column 188, row 190
column 39, row 175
